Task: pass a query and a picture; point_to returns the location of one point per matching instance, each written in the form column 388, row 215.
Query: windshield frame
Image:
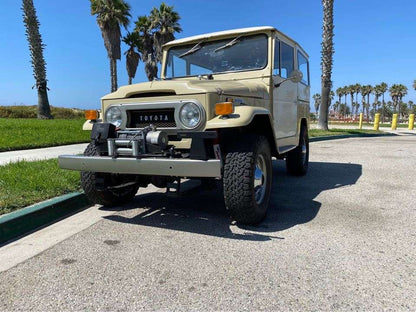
column 222, row 41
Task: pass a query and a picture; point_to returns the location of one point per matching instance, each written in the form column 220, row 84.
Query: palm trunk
column 326, row 61
column 382, row 113
column 324, row 108
column 130, row 80
column 113, row 73
column 44, row 111
column 398, row 114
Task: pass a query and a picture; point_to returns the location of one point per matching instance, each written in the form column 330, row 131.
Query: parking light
column 224, row 108
column 91, row 114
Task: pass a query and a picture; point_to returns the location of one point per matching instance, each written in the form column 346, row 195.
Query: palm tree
column 404, row 111
column 393, row 90
column 344, row 109
column 156, row 30
column 402, row 93
column 110, row 15
column 317, row 101
column 357, row 89
column 337, row 106
column 164, row 23
column 132, row 57
column 369, row 89
column 365, row 91
column 326, row 61
column 331, row 96
column 383, row 89
column 38, row 61
column 377, row 93
column 144, row 29
column 339, row 93
column 345, row 93
column 410, row 106
column 351, row 91
column 397, row 92
column 414, row 84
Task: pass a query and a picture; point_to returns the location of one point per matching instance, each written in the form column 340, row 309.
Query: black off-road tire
column 103, row 195
column 297, row 160
column 241, row 197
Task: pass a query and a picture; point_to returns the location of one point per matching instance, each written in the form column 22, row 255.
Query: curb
column 22, row 221
column 346, row 136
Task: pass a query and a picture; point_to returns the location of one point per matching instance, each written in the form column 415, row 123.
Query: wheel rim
column 260, row 178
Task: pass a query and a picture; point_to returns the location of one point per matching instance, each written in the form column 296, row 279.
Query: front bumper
column 145, row 166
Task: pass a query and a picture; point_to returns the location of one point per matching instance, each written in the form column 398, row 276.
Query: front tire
column 106, row 188
column 247, row 180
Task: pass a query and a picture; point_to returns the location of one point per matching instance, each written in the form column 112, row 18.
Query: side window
column 303, row 66
column 287, row 58
column 276, row 66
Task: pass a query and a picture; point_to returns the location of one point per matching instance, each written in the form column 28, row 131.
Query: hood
column 186, row 87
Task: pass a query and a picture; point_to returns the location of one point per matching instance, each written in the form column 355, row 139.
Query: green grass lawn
column 25, row 183
column 20, row 133
column 333, row 132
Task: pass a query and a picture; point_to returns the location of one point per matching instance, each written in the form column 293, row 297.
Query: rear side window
column 287, row 57
column 303, row 66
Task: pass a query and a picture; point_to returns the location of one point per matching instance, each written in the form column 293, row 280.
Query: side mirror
column 296, row 76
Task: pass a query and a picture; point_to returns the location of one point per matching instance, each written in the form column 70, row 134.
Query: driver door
column 285, row 107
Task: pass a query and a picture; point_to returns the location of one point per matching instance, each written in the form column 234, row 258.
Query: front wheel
column 247, row 180
column 106, row 188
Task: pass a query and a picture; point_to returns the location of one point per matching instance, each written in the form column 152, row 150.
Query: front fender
column 242, row 116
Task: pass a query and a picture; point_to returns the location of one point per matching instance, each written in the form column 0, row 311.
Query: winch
column 130, row 142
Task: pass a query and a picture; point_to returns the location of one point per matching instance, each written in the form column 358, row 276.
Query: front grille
column 160, row 118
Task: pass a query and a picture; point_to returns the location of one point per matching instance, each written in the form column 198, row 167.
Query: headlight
column 113, row 115
column 190, row 115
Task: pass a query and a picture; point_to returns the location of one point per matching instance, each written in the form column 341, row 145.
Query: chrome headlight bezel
column 114, row 116
column 198, row 112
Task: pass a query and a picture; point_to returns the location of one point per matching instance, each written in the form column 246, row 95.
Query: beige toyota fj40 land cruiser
column 227, row 102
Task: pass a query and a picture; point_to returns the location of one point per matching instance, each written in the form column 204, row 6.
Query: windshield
column 212, row 57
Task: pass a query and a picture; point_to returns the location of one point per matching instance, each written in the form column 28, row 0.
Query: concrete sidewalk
column 41, row 153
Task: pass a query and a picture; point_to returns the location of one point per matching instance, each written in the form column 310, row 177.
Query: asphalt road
column 341, row 238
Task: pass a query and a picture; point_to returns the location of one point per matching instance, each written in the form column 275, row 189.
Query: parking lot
column 341, row 238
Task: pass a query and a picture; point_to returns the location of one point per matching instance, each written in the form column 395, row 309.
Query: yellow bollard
column 376, row 121
column 394, row 122
column 411, row 121
column 360, row 125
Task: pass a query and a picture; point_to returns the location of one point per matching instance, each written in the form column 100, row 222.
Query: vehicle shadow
column 203, row 212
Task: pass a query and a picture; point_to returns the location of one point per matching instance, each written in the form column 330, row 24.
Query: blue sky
column 375, row 41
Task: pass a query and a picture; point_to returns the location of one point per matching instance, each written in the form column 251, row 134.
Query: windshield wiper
column 229, row 44
column 193, row 49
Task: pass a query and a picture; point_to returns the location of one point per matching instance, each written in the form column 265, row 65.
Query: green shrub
column 22, row 111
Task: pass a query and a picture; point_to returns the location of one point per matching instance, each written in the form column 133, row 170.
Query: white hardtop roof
column 229, row 32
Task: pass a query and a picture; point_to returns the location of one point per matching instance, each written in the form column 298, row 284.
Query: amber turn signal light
column 91, row 114
column 224, row 108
